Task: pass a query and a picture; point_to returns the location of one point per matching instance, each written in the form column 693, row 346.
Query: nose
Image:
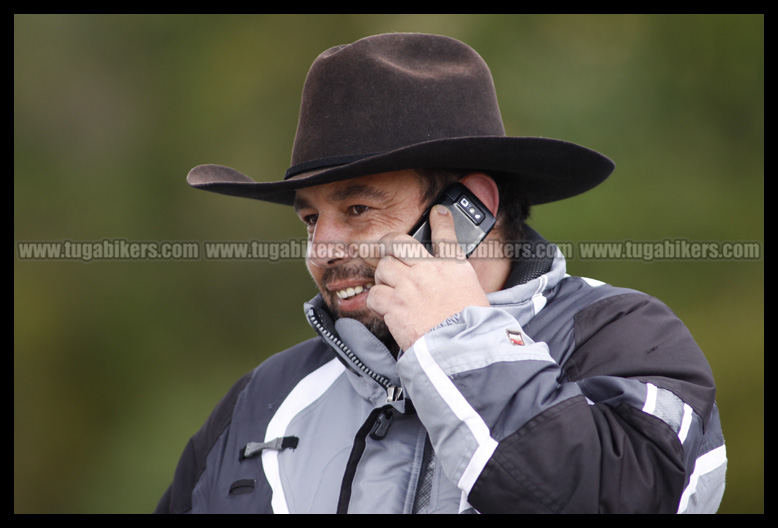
column 328, row 244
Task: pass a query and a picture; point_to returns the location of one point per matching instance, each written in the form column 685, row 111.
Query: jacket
column 567, row 395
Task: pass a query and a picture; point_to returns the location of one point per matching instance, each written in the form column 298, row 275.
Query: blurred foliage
column 117, row 363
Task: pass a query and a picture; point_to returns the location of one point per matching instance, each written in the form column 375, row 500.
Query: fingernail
column 441, row 209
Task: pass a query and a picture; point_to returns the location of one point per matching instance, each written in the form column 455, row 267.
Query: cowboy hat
column 407, row 101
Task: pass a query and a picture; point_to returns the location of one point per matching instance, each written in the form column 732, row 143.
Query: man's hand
column 415, row 291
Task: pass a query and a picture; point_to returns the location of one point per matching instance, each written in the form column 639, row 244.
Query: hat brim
column 547, row 170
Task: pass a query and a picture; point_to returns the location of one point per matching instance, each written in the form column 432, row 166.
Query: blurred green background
column 117, row 363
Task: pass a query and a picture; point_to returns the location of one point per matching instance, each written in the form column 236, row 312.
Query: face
column 344, row 220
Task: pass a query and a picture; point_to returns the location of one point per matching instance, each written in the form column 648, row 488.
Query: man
column 438, row 383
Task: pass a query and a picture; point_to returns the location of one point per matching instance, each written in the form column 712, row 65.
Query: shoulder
column 590, row 306
column 618, row 331
column 276, row 375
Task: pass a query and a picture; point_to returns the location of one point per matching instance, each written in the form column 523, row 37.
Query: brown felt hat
column 407, row 101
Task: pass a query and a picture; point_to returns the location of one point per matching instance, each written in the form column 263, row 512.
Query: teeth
column 350, row 292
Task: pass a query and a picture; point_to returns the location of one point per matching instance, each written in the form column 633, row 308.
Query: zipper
column 279, row 444
column 376, row 426
column 393, row 393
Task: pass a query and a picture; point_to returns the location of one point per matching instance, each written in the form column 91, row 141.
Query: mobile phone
column 472, row 220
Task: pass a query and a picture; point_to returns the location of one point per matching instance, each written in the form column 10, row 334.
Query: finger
column 380, row 249
column 444, row 235
column 388, row 271
column 379, row 299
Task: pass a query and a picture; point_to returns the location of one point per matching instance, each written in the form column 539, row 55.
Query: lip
column 351, row 304
column 343, row 284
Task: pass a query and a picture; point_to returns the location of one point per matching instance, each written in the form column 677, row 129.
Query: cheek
column 400, row 222
column 315, row 271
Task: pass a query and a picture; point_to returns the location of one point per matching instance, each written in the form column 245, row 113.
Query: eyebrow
column 357, row 190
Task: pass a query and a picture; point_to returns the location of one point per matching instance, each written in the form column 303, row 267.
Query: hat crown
column 389, row 91
column 407, row 101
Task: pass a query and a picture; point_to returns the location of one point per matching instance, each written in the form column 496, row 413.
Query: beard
column 371, row 320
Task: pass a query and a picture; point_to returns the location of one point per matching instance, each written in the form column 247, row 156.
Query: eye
column 357, row 210
column 310, row 219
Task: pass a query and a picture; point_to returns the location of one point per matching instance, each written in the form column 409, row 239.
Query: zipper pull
column 381, row 425
column 394, row 394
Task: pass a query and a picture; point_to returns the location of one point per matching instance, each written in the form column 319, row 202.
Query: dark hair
column 513, row 210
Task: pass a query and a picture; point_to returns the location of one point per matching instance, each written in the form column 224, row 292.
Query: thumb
column 443, row 234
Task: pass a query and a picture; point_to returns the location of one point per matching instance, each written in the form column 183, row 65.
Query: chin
column 374, row 323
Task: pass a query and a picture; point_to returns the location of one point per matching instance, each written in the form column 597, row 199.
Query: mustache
column 357, row 271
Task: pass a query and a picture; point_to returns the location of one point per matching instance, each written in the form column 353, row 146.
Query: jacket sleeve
column 620, row 427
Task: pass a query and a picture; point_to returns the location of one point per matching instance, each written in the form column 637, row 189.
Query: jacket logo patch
column 515, row 337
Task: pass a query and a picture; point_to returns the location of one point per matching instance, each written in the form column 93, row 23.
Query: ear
column 483, row 186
